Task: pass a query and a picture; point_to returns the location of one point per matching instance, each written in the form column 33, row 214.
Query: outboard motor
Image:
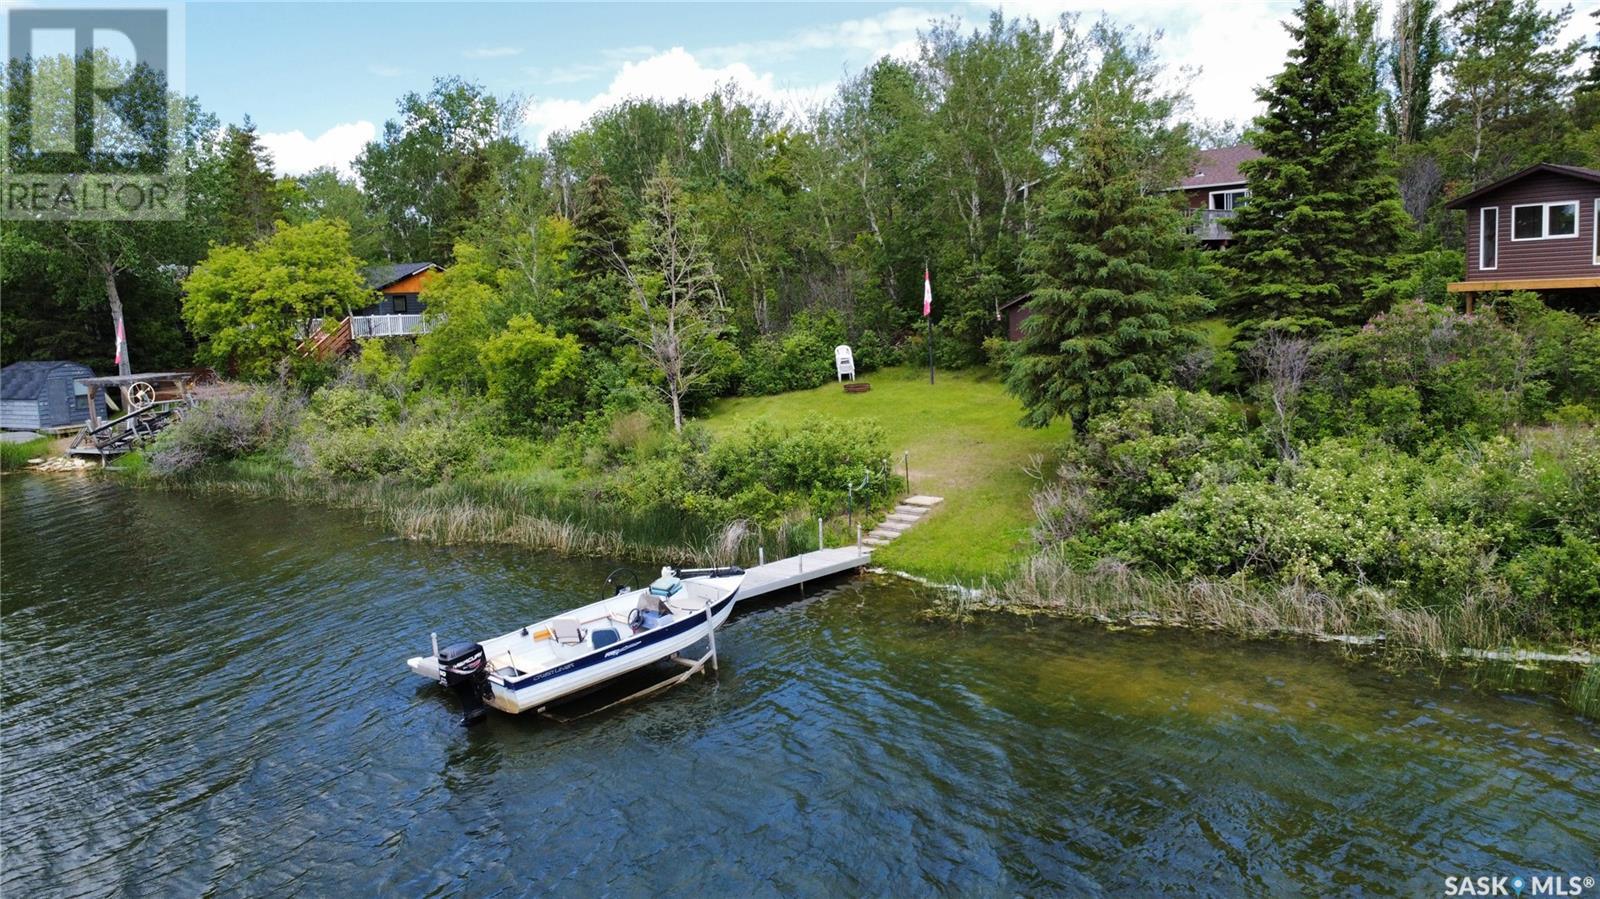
column 466, row 671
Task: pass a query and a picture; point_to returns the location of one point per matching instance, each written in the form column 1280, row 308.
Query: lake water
column 209, row 696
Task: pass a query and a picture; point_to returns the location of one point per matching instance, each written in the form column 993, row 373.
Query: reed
column 1114, row 593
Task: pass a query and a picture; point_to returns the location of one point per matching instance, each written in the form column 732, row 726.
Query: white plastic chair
column 844, row 361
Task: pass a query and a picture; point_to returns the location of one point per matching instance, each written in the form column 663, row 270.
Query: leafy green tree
column 463, row 312
column 1509, row 78
column 1324, row 217
column 323, row 194
column 249, row 196
column 1416, row 50
column 250, row 306
column 430, row 174
column 1105, row 255
column 535, row 376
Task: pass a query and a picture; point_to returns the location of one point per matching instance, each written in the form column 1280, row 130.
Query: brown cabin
column 398, row 286
column 1538, row 229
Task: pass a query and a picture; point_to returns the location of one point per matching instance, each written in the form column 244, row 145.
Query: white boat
column 578, row 650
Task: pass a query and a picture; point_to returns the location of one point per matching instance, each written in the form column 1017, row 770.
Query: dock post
column 761, row 555
column 858, row 539
column 819, row 535
column 713, row 635
column 435, row 636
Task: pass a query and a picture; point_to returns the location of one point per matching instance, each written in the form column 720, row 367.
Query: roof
column 1015, row 300
column 1219, row 167
column 1571, row 171
column 24, row 380
column 381, row 276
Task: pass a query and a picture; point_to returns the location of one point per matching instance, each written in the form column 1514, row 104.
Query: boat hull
column 515, row 695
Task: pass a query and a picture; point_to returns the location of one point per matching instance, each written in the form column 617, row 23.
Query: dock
column 781, row 574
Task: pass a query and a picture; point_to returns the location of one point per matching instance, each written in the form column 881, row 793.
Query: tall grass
column 498, row 512
column 1113, row 592
column 16, row 455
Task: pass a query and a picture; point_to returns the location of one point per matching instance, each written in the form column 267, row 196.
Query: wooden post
column 819, row 535
column 858, row 540
column 761, row 555
column 712, row 634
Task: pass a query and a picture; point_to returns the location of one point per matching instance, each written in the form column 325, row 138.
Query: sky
column 319, row 79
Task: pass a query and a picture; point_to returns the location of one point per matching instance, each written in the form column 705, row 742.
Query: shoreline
column 1114, row 598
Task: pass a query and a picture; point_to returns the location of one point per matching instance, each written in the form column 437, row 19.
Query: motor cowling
column 466, row 672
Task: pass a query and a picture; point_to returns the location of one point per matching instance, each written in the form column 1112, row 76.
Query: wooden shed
column 44, row 395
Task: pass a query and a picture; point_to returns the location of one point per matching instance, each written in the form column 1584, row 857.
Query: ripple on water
column 208, row 695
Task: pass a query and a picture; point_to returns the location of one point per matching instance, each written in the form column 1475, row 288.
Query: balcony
column 365, row 326
column 1211, row 225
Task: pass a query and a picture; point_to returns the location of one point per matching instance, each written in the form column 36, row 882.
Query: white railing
column 364, row 326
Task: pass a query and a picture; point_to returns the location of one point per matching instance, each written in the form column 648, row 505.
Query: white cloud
column 295, row 154
column 671, row 75
column 385, row 71
column 871, row 37
column 492, row 52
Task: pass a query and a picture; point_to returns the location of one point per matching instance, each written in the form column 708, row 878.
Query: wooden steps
column 910, row 510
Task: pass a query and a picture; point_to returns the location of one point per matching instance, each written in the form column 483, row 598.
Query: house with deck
column 1214, row 190
column 395, row 310
column 1539, row 230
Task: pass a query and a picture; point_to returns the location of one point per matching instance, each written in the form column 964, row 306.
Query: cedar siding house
column 1214, row 190
column 396, row 310
column 1536, row 230
column 1212, row 193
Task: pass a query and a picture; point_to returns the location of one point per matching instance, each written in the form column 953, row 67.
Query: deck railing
column 1211, row 224
column 364, row 326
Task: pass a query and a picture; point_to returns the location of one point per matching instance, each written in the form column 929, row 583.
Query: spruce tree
column 1107, row 306
column 1324, row 219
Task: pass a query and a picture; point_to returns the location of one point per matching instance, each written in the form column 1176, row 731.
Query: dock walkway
column 782, row 574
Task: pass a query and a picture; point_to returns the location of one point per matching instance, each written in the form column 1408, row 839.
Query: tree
column 1107, row 307
column 1415, row 51
column 249, row 195
column 1509, row 79
column 1324, row 217
column 535, row 376
column 250, row 306
column 675, row 314
column 429, row 176
column 87, row 263
column 323, row 194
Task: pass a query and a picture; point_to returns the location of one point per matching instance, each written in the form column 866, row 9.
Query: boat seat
column 566, row 631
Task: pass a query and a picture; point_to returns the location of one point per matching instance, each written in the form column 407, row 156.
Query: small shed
column 44, row 395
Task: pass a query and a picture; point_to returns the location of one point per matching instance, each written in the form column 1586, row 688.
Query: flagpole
column 927, row 313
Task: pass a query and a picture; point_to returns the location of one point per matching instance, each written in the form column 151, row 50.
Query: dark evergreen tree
column 1324, row 219
column 1104, row 259
column 601, row 234
column 249, row 197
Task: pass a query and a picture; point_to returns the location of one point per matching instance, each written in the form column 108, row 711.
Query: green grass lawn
column 965, row 446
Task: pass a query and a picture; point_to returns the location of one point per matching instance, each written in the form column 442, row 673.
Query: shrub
column 239, row 423
column 535, row 376
column 801, row 359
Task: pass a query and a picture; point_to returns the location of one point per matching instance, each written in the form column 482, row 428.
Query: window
column 1544, row 221
column 1228, row 199
column 1488, row 238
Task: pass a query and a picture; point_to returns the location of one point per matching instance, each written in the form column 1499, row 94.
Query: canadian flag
column 121, row 339
column 927, row 294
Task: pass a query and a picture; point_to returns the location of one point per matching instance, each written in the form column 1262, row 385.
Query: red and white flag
column 927, row 294
column 121, row 339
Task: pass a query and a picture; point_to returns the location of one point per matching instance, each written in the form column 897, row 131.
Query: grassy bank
column 964, row 444
column 14, row 456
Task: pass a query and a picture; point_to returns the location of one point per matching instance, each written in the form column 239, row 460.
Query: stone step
column 881, row 534
column 900, row 515
column 895, row 527
column 924, row 501
column 873, row 542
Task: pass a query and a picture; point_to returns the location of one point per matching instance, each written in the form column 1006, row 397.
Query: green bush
column 800, row 359
column 535, row 377
column 242, row 423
